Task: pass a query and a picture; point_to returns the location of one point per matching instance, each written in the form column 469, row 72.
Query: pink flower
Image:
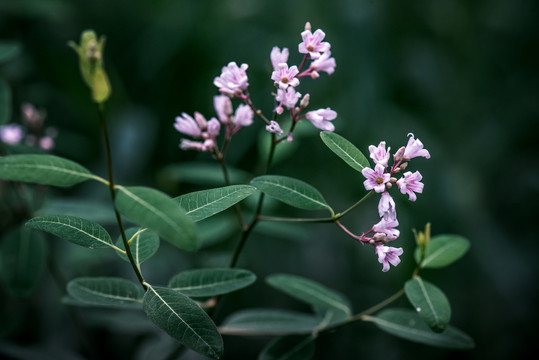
column 233, row 79
column 223, row 108
column 187, row 125
column 388, row 255
column 11, row 134
column 274, row 127
column 287, row 98
column 323, row 63
column 414, row 148
column 386, row 206
column 244, row 116
column 386, row 226
column 312, row 43
column 277, row 56
column 46, row 143
column 283, row 76
column 411, row 184
column 191, row 145
column 376, row 179
column 321, row 118
column 379, row 154
column 213, row 128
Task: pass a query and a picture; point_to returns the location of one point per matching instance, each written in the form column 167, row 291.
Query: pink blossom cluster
column 286, row 79
column 233, row 83
column 31, row 132
column 206, row 132
column 381, row 179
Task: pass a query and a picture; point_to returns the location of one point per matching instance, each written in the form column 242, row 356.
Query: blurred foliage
column 462, row 76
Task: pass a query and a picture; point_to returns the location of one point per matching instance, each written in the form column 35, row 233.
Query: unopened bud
column 389, row 185
column 403, row 165
column 305, row 101
column 399, row 154
column 307, row 26
column 393, row 180
column 201, row 120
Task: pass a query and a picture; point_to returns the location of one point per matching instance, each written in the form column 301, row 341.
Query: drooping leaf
column 5, row 102
column 211, row 282
column 430, row 303
column 23, row 254
column 202, row 173
column 442, row 250
column 323, row 300
column 291, row 191
column 73, row 229
column 105, row 291
column 345, row 150
column 268, row 322
column 409, row 325
column 144, row 245
column 292, row 347
column 8, row 50
column 184, row 320
column 43, row 169
column 155, row 210
column 202, row 204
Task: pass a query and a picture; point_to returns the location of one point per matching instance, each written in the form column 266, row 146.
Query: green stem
column 361, row 201
column 113, row 195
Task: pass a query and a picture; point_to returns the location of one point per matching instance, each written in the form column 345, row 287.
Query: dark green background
column 461, row 75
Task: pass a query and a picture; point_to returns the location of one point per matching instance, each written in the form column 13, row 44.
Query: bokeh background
column 462, row 76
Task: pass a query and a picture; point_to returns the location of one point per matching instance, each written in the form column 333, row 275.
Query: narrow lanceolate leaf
column 430, row 303
column 5, row 102
column 345, row 150
column 43, row 169
column 270, row 322
column 144, row 244
column 292, row 347
column 23, row 258
column 155, row 210
column 291, row 191
column 442, row 250
column 74, row 229
column 202, row 204
column 184, row 320
column 325, row 301
column 211, row 282
column 105, row 291
column 408, row 324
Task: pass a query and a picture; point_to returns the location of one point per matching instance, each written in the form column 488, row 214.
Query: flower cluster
column 381, row 179
column 32, row 132
column 233, row 83
column 286, row 79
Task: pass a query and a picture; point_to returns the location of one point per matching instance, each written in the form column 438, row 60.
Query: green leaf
column 291, row 191
column 155, row 210
column 211, row 282
column 430, row 303
column 345, row 150
column 409, row 325
column 184, row 320
column 442, row 250
column 8, row 50
column 74, row 229
column 202, row 204
column 23, row 254
column 105, row 291
column 201, row 173
column 43, row 169
column 268, row 322
column 325, row 301
column 293, row 347
column 143, row 246
column 5, row 102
